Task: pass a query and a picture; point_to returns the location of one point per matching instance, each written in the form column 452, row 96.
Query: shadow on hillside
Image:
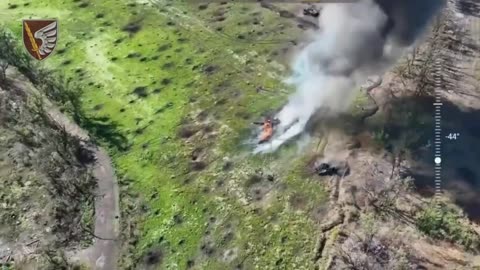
column 460, row 159
column 410, row 126
column 104, row 129
column 469, row 7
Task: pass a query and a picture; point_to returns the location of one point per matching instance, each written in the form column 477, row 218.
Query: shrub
column 12, row 54
column 446, row 223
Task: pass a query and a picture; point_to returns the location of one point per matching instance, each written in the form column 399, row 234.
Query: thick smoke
column 355, row 40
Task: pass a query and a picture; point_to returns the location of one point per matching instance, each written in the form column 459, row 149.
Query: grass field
column 182, row 83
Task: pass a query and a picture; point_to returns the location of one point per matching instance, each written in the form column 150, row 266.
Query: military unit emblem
column 40, row 37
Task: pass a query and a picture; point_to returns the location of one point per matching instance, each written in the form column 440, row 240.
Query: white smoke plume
column 355, row 41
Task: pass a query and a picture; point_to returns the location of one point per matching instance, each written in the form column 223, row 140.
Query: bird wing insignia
column 48, row 35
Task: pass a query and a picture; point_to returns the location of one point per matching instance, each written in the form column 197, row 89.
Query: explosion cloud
column 355, row 41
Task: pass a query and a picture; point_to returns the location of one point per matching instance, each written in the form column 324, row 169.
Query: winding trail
column 103, row 254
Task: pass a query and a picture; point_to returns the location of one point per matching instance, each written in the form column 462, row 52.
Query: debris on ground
column 311, row 11
column 330, row 168
column 326, row 169
column 267, row 129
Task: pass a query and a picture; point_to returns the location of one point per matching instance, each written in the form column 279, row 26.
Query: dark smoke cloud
column 355, row 40
column 408, row 18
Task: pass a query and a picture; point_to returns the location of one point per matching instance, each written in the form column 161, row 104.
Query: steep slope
column 171, row 87
column 47, row 189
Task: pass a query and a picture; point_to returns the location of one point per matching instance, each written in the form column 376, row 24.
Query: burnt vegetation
column 59, row 210
column 132, row 27
column 49, row 191
column 140, row 91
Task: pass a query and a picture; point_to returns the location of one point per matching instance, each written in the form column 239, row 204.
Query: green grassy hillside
column 182, row 84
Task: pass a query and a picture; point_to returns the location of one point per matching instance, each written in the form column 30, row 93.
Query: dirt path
column 103, row 254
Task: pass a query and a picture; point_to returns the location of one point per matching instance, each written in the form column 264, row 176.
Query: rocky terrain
column 47, row 188
column 384, row 214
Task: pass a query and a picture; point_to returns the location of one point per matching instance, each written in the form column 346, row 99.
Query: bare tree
column 367, row 249
column 383, row 194
column 3, row 71
column 8, row 53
